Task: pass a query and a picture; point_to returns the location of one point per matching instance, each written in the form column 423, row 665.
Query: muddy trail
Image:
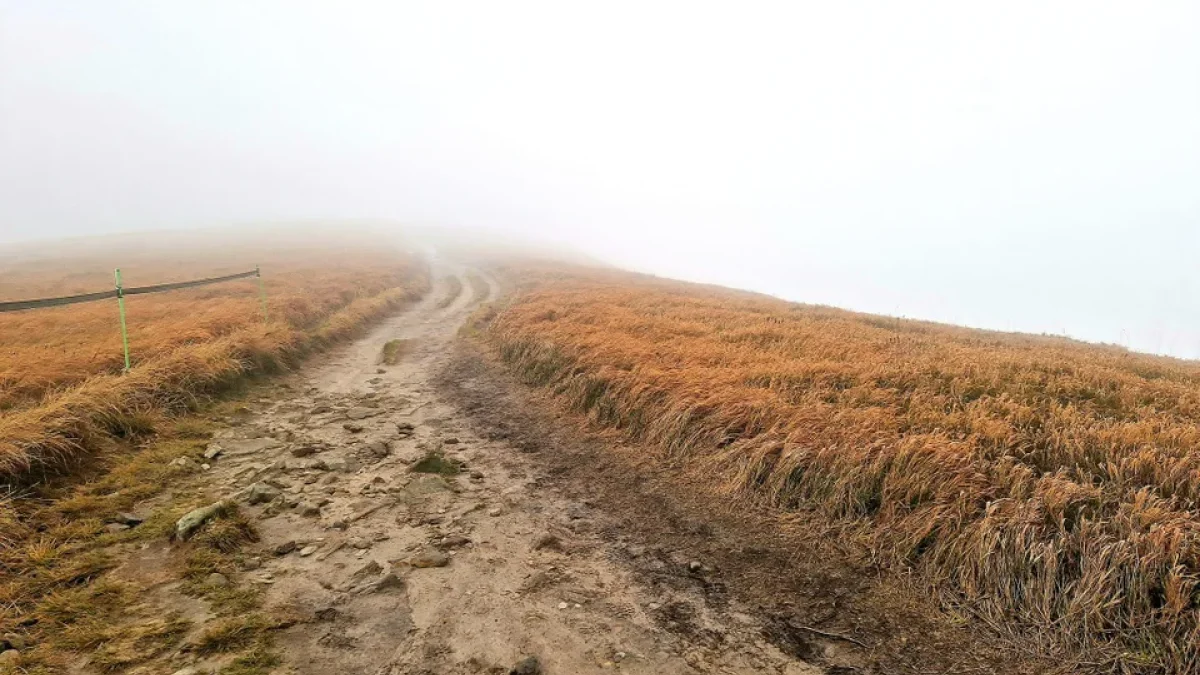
column 399, row 535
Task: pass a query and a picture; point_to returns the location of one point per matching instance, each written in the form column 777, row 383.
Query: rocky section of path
column 401, row 541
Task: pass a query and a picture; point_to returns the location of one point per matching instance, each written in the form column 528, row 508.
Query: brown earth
column 434, row 517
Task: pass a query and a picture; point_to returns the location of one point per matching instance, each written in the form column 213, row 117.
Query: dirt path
column 390, row 569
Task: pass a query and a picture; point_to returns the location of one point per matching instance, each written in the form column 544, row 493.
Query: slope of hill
column 61, row 386
column 1042, row 483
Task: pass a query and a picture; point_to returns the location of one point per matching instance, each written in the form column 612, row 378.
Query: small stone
column 389, row 582
column 8, row 656
column 495, row 512
column 307, row 551
column 286, row 547
column 548, row 542
column 454, row 541
column 187, row 525
column 338, row 525
column 115, row 528
column 695, row 567
column 320, row 410
column 213, row 451
column 369, row 570
column 427, row 559
column 563, row 605
column 380, row 449
column 14, row 641
column 451, row 441
column 528, row 666
column 261, row 493
column 476, row 475
column 186, row 463
column 187, row 671
column 361, row 413
column 360, row 542
column 619, row 656
column 206, row 467
column 217, row 579
column 380, row 371
column 310, row 510
column 327, row 614
column 304, row 450
column 128, row 519
column 353, row 428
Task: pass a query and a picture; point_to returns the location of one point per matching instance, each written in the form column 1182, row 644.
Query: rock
column 338, row 525
column 344, row 465
column 389, row 582
column 186, row 526
column 548, row 542
column 320, row 410
column 563, row 605
column 187, row 671
column 495, row 512
column 307, row 551
column 14, row 641
column 476, row 475
column 695, row 567
column 427, row 559
column 353, row 428
column 380, row 449
column 213, row 451
column 286, row 547
column 217, row 579
column 454, row 541
column 8, row 657
column 327, row 614
column 360, row 543
column 304, row 450
column 261, row 493
column 528, row 666
column 128, row 519
column 380, row 371
column 361, row 413
column 115, row 528
column 369, row 570
column 186, row 463
column 310, row 510
column 451, row 441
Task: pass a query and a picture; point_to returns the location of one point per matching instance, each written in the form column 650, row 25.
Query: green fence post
column 124, row 331
column 262, row 293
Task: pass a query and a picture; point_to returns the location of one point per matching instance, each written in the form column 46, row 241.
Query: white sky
column 1015, row 165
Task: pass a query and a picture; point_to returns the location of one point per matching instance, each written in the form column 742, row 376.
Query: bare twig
column 835, row 636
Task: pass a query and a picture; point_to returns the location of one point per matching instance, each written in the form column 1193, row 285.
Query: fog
column 1028, row 166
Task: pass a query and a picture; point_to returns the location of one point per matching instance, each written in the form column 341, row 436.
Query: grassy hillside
column 1039, row 482
column 61, row 391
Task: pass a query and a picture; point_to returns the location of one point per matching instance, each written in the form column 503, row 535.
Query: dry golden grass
column 60, row 381
column 1048, row 486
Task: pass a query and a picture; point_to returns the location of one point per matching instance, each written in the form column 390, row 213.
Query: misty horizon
column 1028, row 168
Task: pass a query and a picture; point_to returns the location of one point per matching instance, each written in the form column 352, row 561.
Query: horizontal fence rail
column 120, row 292
column 19, row 305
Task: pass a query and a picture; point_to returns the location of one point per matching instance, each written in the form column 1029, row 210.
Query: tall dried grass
column 1048, row 486
column 60, row 380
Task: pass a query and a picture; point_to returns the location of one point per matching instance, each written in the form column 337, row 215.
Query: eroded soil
column 399, row 535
